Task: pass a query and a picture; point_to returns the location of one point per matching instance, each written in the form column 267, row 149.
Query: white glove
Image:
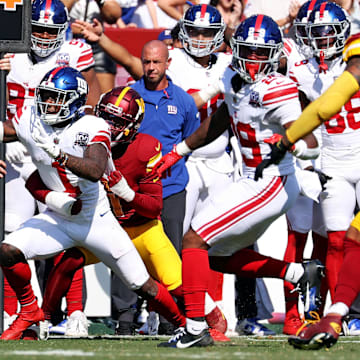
column 119, row 186
column 15, row 152
column 43, row 140
column 61, row 203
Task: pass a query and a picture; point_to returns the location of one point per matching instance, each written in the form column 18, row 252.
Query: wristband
column 301, row 150
column 62, row 159
column 100, row 3
column 182, row 149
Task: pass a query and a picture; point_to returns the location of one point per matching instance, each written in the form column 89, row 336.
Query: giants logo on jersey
column 254, row 99
column 63, row 59
column 82, row 139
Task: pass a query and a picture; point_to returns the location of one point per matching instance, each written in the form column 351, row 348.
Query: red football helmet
column 123, row 109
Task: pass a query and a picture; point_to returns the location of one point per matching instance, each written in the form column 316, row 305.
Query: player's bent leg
column 60, row 279
column 195, row 274
column 162, row 302
column 17, row 271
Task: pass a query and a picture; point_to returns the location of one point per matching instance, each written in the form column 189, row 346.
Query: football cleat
column 292, row 324
column 218, row 336
column 317, row 335
column 351, row 327
column 309, row 285
column 29, row 315
column 44, row 329
column 216, row 320
column 151, row 325
column 182, row 339
column 251, row 326
column 77, row 325
column 58, row 329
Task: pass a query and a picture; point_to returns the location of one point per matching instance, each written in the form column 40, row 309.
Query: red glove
column 114, row 178
column 166, row 162
column 274, row 139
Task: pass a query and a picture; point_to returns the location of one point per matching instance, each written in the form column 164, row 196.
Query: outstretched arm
column 94, row 32
column 210, row 129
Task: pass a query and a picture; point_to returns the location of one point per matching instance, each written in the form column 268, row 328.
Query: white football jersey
column 192, row 77
column 339, row 134
column 259, row 111
column 26, row 73
column 72, row 139
column 292, row 53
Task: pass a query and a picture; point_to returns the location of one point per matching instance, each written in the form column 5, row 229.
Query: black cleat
column 309, row 285
column 183, row 339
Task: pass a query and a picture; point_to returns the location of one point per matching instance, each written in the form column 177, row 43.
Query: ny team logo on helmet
column 49, row 16
column 123, row 109
column 207, row 21
column 328, row 29
column 301, row 26
column 256, row 46
column 68, row 90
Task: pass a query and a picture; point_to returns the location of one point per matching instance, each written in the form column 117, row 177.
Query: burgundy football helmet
column 123, row 109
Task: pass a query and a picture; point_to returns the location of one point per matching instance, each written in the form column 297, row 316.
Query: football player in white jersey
column 193, row 67
column 306, row 213
column 258, row 103
column 71, row 152
column 48, row 49
column 328, row 29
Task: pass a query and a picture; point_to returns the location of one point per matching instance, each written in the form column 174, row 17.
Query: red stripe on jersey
column 287, row 47
column 258, row 23
column 281, row 100
column 241, row 211
column 104, row 139
column 85, row 59
column 322, row 10
column 203, row 11
column 272, row 95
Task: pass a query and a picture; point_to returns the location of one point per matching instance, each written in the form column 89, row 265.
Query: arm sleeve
column 148, row 199
column 325, row 107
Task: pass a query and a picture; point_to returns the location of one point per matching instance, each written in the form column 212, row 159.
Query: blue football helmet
column 201, row 30
column 301, row 26
column 67, row 89
column 50, row 16
column 256, row 46
column 328, row 29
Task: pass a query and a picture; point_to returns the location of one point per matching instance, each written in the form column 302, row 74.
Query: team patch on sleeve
column 352, row 47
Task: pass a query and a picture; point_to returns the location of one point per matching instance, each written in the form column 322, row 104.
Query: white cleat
column 77, row 325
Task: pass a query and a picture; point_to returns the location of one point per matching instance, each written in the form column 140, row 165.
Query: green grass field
column 108, row 347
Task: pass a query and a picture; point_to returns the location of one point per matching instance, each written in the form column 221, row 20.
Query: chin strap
column 323, row 66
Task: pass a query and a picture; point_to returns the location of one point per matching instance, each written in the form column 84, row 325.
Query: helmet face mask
column 49, row 23
column 328, row 29
column 201, row 30
column 256, row 46
column 61, row 95
column 123, row 109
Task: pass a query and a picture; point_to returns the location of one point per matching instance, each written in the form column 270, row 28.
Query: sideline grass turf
column 142, row 348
